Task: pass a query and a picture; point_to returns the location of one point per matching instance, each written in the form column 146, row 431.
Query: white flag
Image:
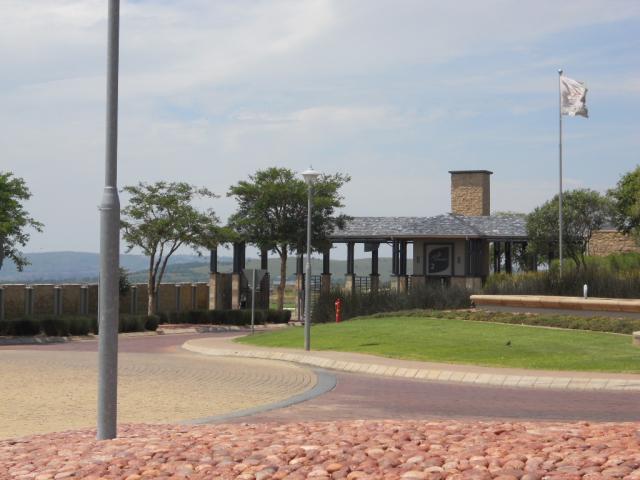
column 574, row 97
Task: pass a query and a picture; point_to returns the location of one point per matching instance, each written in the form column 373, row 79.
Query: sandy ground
column 46, row 391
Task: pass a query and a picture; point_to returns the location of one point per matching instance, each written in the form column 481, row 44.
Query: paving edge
column 325, row 383
column 435, row 375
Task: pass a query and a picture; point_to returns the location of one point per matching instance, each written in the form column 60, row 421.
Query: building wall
column 459, row 257
column 605, row 242
column 471, row 194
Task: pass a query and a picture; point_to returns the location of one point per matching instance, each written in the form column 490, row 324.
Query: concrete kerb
column 537, row 379
column 325, row 383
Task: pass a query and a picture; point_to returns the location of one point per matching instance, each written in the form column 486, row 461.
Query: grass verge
column 452, row 340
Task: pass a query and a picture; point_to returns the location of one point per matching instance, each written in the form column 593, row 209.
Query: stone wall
column 471, row 193
column 77, row 299
column 605, row 242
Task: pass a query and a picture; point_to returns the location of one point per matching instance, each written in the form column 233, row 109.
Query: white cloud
column 395, row 93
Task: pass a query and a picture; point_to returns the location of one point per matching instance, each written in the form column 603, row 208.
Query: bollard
column 338, row 310
column 585, row 290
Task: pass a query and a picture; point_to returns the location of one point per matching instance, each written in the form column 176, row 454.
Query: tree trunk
column 151, row 308
column 151, row 285
column 283, row 278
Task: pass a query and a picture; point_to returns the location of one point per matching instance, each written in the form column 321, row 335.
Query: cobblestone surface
column 44, row 391
column 407, row 450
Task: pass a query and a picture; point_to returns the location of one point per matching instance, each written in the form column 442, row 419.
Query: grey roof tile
column 449, row 225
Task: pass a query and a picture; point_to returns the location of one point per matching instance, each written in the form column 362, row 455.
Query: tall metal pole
column 109, row 247
column 560, row 167
column 307, row 280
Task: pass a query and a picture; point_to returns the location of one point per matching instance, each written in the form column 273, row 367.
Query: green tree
column 272, row 213
column 626, row 203
column 160, row 219
column 14, row 219
column 583, row 212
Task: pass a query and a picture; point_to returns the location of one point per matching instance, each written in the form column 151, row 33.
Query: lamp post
column 310, row 177
column 109, row 247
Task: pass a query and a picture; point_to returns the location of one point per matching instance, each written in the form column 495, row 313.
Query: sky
column 394, row 93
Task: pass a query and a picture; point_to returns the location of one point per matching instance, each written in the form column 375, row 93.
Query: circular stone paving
column 45, row 391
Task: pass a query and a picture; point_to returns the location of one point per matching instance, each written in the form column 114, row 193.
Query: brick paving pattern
column 407, row 450
column 44, row 391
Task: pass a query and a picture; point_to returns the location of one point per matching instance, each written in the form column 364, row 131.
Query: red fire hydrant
column 338, row 310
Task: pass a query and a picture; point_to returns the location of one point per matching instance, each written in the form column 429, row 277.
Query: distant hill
column 50, row 267
column 76, row 266
column 199, row 272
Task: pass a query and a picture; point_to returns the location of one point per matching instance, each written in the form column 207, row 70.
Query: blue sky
column 395, row 93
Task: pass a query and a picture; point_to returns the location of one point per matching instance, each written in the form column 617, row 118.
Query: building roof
column 498, row 227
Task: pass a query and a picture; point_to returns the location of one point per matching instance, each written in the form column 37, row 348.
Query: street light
column 310, row 176
column 109, row 247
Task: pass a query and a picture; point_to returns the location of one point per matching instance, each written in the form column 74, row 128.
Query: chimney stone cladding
column 471, row 192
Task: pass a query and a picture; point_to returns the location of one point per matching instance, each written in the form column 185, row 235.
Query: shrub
column 20, row 327
column 602, row 281
column 229, row 317
column 55, row 326
column 132, row 323
column 432, row 296
column 151, row 323
column 596, row 324
column 65, row 325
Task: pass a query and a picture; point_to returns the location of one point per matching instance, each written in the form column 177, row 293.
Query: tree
column 14, row 219
column 160, row 219
column 625, row 198
column 272, row 213
column 583, row 212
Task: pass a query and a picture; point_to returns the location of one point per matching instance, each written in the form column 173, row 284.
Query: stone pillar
column 236, row 290
column 236, row 276
column 402, row 278
column 350, row 277
column 418, row 281
column 349, row 284
column 215, row 293
column 402, row 282
column 178, row 300
column 215, row 283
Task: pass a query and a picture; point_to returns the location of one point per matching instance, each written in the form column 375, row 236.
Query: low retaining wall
column 19, row 300
column 591, row 307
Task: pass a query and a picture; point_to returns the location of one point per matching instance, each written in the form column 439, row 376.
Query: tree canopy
column 272, row 212
column 626, row 203
column 14, row 219
column 160, row 218
column 583, row 212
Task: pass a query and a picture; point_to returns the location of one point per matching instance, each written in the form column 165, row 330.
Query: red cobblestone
column 368, row 449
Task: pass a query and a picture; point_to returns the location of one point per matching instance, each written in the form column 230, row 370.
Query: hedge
column 65, row 325
column 602, row 282
column 431, row 296
column 228, row 317
column 595, row 324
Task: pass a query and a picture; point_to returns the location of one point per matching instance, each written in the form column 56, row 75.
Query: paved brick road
column 45, row 390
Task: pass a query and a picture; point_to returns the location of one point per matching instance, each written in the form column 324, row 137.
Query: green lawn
column 464, row 341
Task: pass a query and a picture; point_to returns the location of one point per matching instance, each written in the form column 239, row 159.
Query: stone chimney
column 471, row 192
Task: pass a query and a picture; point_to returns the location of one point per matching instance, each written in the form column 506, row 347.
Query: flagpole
column 560, row 169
